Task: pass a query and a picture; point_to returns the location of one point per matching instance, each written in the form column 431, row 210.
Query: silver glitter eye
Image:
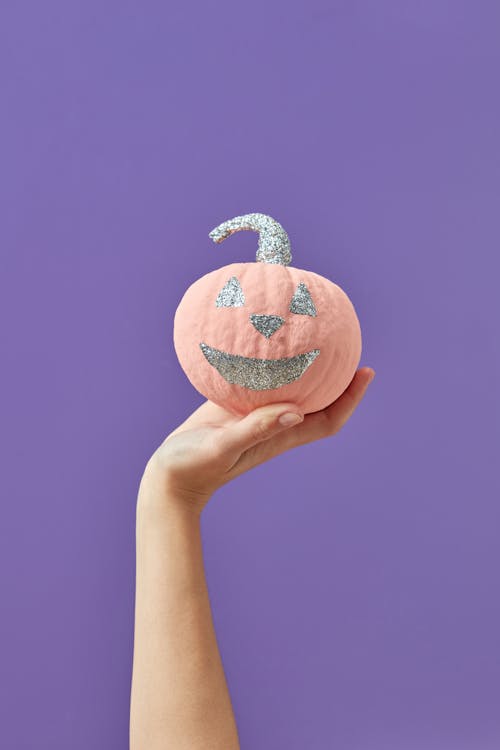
column 301, row 303
column 231, row 294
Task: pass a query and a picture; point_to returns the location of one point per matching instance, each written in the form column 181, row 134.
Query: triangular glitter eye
column 301, row 302
column 231, row 294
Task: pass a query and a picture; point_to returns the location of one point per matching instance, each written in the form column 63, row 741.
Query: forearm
column 179, row 695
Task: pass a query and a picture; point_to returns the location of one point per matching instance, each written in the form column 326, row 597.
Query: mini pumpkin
column 250, row 334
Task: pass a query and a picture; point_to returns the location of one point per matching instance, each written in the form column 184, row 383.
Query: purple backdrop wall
column 354, row 582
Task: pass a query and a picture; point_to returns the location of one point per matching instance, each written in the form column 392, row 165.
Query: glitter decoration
column 301, row 303
column 274, row 245
column 258, row 374
column 231, row 294
column 267, row 324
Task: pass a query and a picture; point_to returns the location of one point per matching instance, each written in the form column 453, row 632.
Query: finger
column 340, row 411
column 330, row 420
column 317, row 425
column 260, row 425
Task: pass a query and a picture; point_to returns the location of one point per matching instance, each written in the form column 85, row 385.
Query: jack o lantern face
column 260, row 374
column 251, row 334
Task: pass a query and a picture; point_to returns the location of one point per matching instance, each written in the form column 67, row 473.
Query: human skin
column 179, row 695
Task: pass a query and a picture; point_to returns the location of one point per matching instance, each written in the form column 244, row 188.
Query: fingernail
column 289, row 418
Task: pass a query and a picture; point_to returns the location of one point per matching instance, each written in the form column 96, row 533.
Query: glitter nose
column 267, row 324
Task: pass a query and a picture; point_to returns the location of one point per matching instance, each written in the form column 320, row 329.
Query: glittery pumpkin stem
column 274, row 245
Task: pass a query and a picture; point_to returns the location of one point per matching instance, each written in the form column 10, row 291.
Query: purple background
column 354, row 582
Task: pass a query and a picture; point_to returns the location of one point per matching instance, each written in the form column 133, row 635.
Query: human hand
column 212, row 446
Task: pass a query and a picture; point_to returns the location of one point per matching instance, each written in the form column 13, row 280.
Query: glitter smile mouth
column 258, row 374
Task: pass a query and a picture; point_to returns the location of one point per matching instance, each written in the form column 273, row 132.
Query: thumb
column 261, row 424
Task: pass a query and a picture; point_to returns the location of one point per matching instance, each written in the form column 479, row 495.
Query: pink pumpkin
column 250, row 334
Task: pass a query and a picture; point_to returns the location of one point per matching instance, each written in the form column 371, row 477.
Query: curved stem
column 274, row 245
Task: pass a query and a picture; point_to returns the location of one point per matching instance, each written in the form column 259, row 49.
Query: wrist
column 158, row 494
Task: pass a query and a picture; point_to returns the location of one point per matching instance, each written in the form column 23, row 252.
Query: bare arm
column 179, row 698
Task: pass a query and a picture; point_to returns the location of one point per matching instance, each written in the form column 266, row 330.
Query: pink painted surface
column 268, row 289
